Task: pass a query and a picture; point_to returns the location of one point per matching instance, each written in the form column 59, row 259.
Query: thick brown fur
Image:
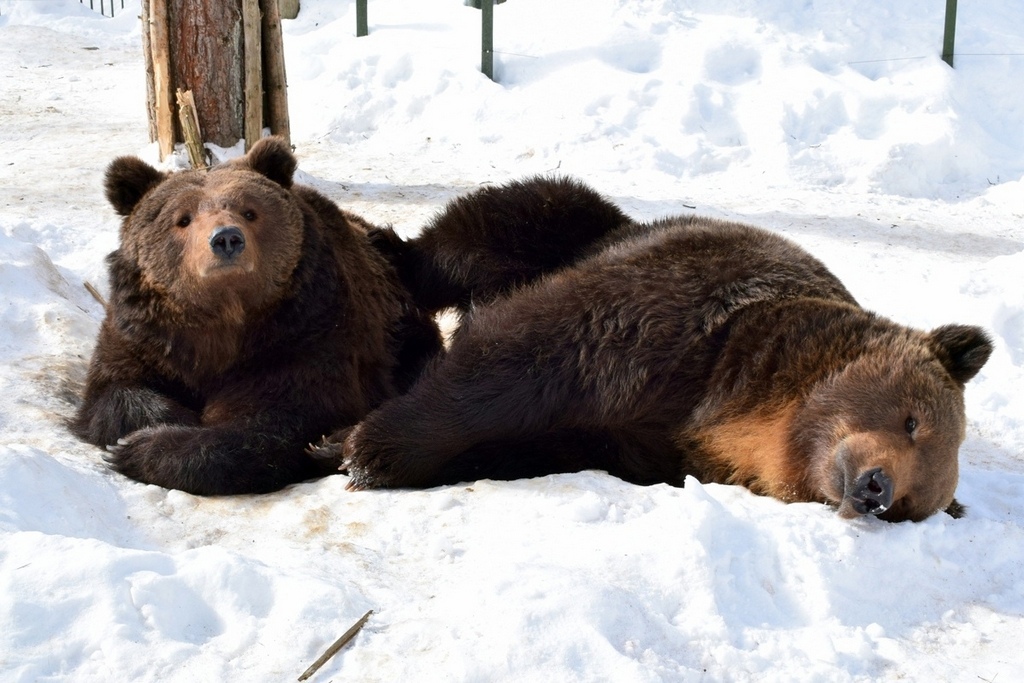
column 476, row 250
column 688, row 346
column 217, row 363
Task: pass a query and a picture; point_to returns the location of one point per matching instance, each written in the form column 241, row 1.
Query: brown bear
column 687, row 346
column 247, row 317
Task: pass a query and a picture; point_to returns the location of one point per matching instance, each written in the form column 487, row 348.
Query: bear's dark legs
column 410, row 440
column 489, row 415
column 107, row 415
column 222, row 460
column 438, row 436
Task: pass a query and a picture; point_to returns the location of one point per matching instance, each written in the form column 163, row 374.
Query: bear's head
column 884, row 431
column 223, row 241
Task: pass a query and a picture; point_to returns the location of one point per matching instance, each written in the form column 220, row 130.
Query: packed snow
column 834, row 123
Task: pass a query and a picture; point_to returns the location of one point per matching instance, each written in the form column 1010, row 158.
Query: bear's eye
column 910, row 425
column 184, row 221
column 249, row 215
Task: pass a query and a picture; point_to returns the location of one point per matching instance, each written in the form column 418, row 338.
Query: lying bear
column 688, row 346
column 247, row 317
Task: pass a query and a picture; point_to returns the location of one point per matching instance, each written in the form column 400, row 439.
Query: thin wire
column 515, row 54
column 862, row 61
column 891, row 59
column 955, row 54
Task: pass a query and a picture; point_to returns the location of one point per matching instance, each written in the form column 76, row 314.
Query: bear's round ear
column 128, row 179
column 962, row 349
column 273, row 158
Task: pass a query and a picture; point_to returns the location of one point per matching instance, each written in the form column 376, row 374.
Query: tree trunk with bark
column 229, row 54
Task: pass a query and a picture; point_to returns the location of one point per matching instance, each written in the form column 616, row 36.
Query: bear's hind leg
column 414, row 439
column 489, row 242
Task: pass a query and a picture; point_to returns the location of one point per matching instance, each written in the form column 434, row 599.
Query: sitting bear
column 687, row 346
column 249, row 316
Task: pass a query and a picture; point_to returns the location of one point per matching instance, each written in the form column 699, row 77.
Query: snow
column 832, row 122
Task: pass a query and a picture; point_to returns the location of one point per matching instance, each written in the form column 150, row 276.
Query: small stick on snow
column 95, row 294
column 337, row 645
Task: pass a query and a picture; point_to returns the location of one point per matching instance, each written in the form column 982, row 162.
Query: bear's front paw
column 375, row 464
column 133, row 455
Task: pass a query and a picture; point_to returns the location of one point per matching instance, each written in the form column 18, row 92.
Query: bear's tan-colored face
column 889, row 428
column 228, row 239
column 214, row 246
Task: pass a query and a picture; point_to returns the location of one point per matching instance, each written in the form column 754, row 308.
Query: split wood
column 189, row 120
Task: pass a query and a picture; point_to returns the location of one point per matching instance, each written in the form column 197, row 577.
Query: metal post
column 362, row 28
column 949, row 33
column 487, row 39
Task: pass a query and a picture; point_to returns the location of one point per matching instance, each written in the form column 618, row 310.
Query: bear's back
column 712, row 267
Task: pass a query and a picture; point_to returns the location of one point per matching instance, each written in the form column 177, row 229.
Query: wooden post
column 487, row 38
column 161, row 59
column 230, row 55
column 275, row 80
column 949, row 33
column 288, row 9
column 147, row 53
column 208, row 58
column 362, row 27
column 253, row 68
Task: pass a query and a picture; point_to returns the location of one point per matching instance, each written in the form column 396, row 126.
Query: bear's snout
column 227, row 242
column 871, row 473
column 871, row 492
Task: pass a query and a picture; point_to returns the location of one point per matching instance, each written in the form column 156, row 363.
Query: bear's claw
column 112, row 456
column 331, row 449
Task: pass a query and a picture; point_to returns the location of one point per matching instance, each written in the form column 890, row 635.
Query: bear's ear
column 128, row 179
column 962, row 349
column 273, row 158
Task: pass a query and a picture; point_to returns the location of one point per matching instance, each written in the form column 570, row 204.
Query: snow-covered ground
column 832, row 122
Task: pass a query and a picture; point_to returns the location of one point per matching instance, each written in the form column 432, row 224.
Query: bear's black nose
column 227, row 242
column 872, row 492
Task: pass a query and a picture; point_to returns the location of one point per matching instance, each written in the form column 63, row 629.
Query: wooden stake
column 335, row 646
column 147, row 54
column 189, row 121
column 161, row 57
column 289, row 9
column 253, row 65
column 275, row 82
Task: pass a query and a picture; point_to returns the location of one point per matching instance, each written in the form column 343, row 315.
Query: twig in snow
column 95, row 294
column 335, row 646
